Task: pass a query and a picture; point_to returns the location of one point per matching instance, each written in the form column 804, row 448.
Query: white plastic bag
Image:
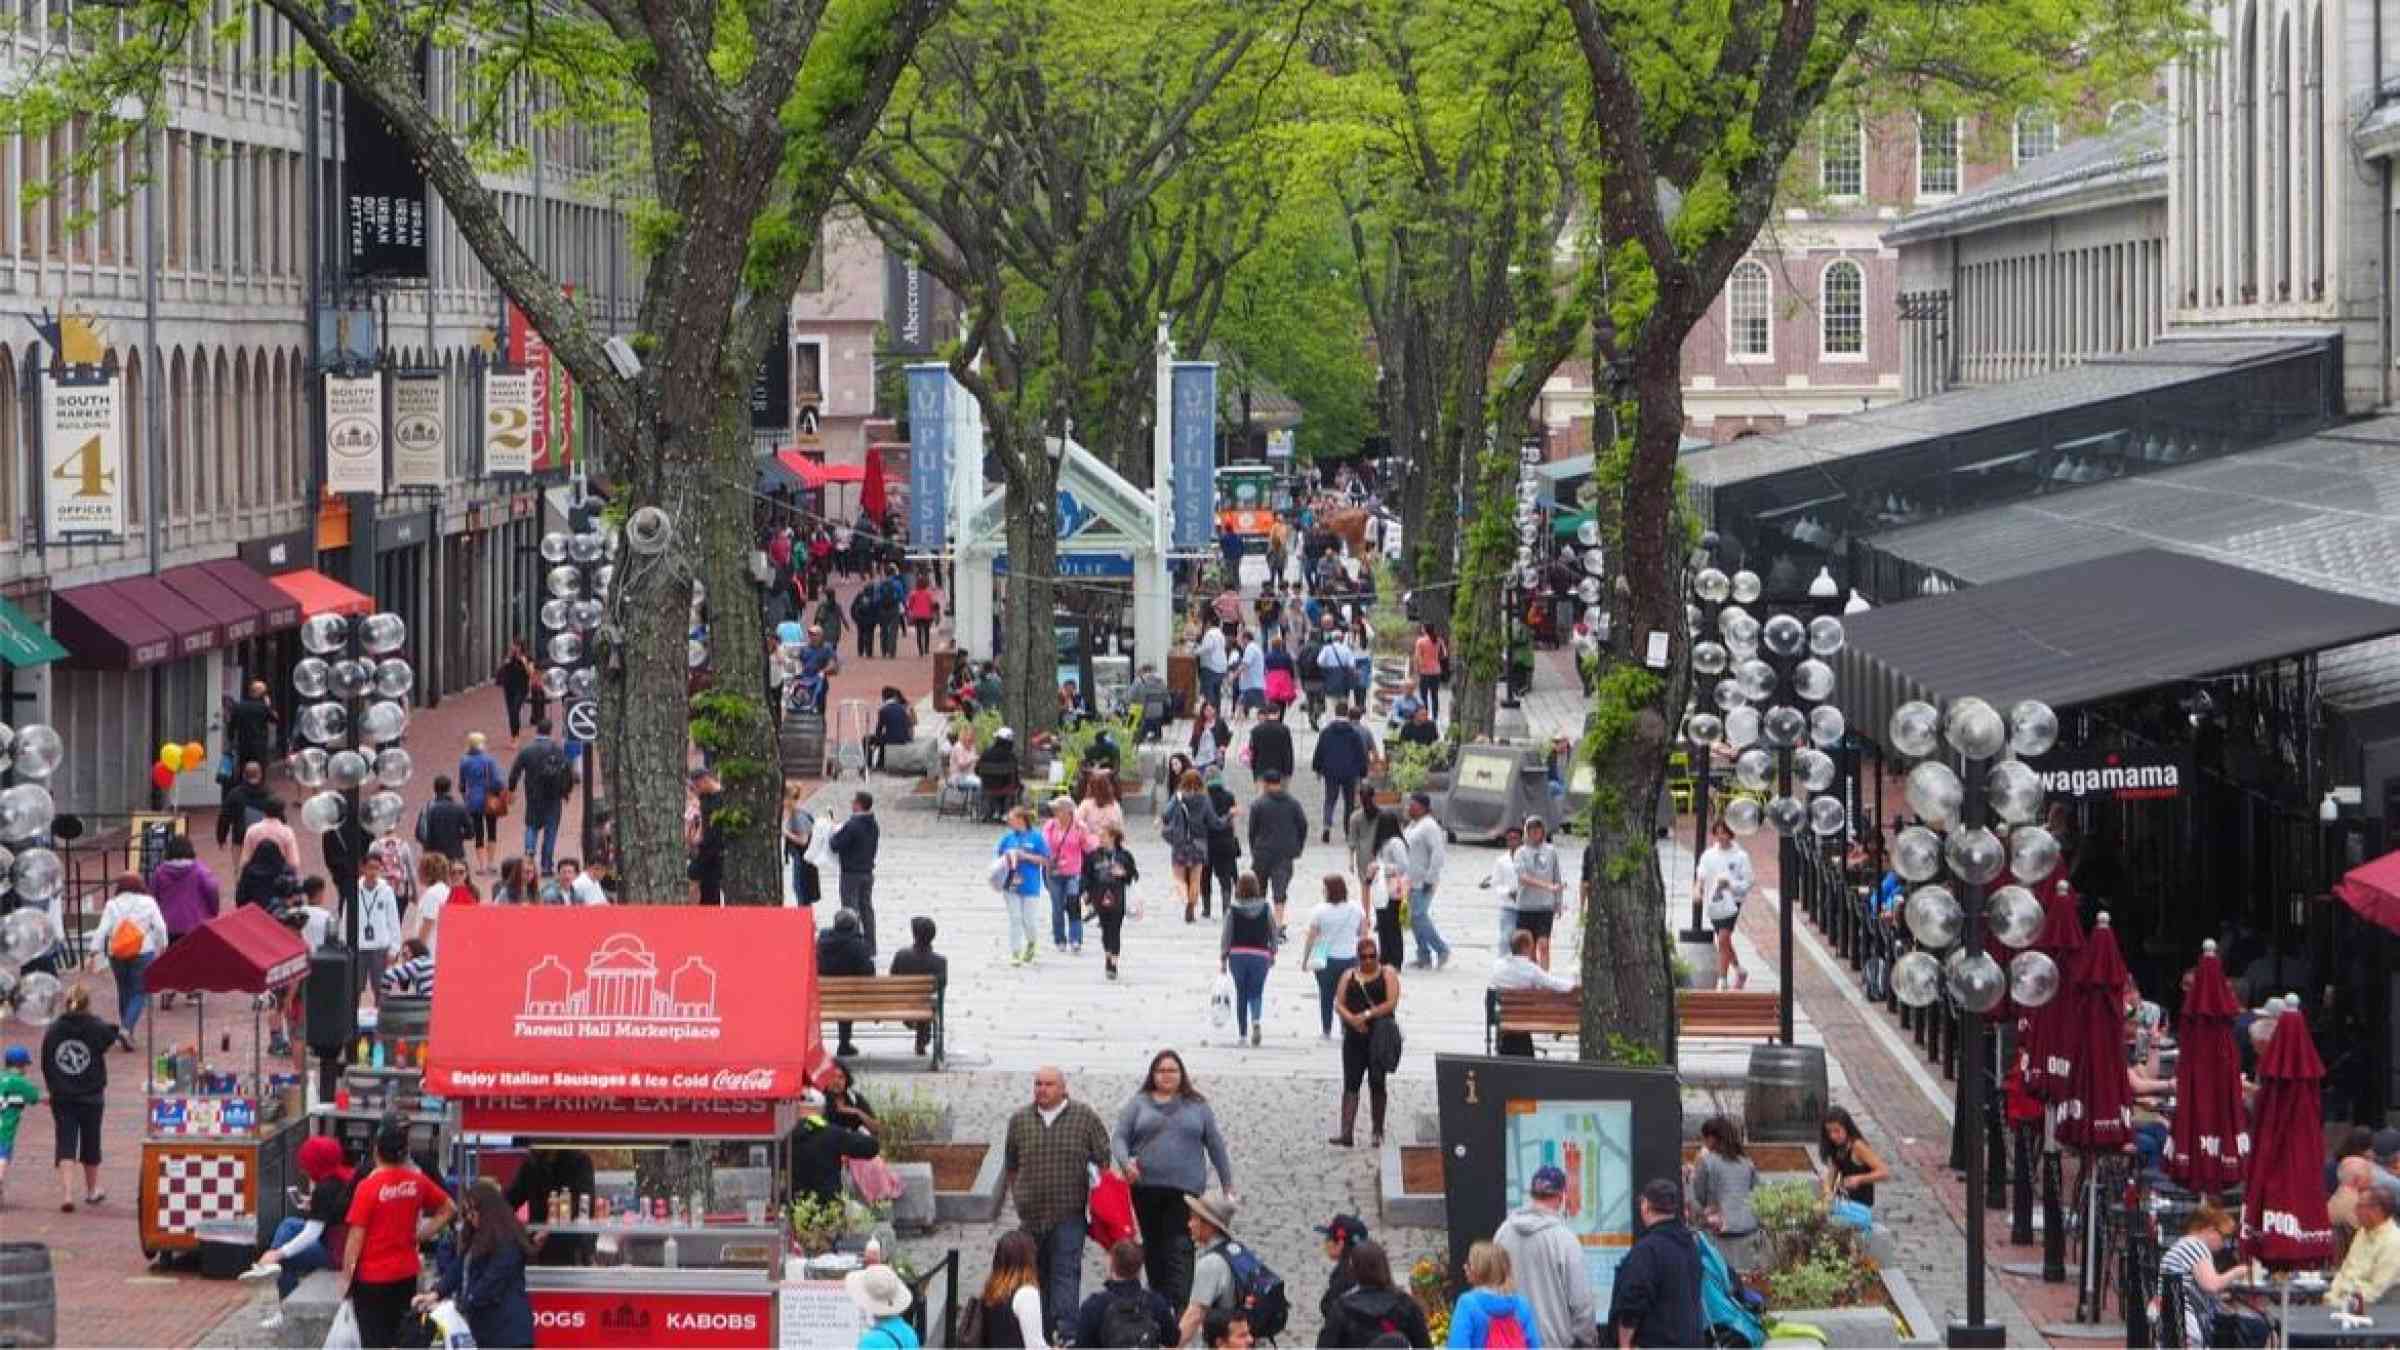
column 1220, row 1001
column 452, row 1324
column 343, row 1334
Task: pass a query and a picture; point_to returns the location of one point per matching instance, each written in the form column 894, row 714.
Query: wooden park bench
column 884, row 998
column 1703, row 1013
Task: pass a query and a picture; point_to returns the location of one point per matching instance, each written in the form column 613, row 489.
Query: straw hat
column 1216, row 1208
column 878, row 1291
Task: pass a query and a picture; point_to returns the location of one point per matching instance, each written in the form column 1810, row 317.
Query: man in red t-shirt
column 379, row 1260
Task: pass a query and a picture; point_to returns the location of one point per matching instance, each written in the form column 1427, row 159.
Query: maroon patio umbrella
column 872, row 498
column 2372, row 891
column 2048, row 1055
column 2208, row 1146
column 2283, row 1209
column 2095, row 1109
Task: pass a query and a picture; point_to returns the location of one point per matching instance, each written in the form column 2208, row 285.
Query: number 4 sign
column 83, row 460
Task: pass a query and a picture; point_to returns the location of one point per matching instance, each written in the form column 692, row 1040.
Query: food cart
column 649, row 1060
column 221, row 1146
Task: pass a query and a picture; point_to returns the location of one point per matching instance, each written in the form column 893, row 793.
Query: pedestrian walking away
column 1490, row 1312
column 1427, row 851
column 1246, row 950
column 1388, row 885
column 133, row 932
column 541, row 772
column 1186, row 824
column 1331, row 944
column 1368, row 1002
column 1165, row 1141
column 1278, row 833
column 1374, row 1309
column 1124, row 1313
column 855, row 845
column 1224, row 844
column 1547, row 1259
column 516, row 679
column 1720, row 1182
column 1657, row 1294
column 1343, row 755
column 75, row 1076
column 483, row 790
column 1051, row 1148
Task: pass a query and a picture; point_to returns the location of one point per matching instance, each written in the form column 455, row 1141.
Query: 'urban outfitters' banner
column 507, row 422
column 420, row 436
column 83, row 459
column 354, row 433
column 1193, row 437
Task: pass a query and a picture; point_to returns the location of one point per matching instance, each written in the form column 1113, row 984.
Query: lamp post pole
column 1976, row 1330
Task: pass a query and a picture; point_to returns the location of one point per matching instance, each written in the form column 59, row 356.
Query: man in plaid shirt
column 1053, row 1145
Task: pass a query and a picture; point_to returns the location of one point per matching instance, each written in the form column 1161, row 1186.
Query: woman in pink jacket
column 1067, row 842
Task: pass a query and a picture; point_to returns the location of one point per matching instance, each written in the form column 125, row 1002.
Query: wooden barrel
column 28, row 1298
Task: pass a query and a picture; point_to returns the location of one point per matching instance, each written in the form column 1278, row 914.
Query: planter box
column 913, row 1211
column 1905, row 1322
column 1410, row 1183
column 966, row 1181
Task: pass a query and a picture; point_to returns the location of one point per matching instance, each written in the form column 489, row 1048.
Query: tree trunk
column 1028, row 644
column 1479, row 631
column 1628, row 981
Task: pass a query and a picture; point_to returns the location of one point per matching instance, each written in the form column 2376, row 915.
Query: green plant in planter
column 907, row 1124
column 1812, row 1262
column 1411, row 764
column 818, row 1225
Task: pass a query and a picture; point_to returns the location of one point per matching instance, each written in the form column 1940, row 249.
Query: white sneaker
column 258, row 1271
column 270, row 1321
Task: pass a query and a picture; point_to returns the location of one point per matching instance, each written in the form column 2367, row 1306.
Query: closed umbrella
column 2048, row 1058
column 872, row 495
column 2095, row 1110
column 2283, row 1207
column 2208, row 1146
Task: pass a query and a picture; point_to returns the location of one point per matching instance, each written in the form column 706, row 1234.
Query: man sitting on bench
column 996, row 770
column 1518, row 971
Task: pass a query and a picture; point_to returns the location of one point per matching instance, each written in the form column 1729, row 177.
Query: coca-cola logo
column 743, row 1080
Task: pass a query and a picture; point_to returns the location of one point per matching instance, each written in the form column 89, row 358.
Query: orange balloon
column 193, row 755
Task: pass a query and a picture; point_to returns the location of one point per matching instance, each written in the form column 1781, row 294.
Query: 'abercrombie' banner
column 354, row 433
column 83, row 459
column 420, row 438
column 507, row 422
column 931, row 445
column 1193, row 435
column 908, row 295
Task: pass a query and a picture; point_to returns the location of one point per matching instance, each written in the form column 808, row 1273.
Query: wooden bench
column 1699, row 1013
column 884, row 998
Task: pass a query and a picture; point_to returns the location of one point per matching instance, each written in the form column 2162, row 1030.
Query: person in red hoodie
column 186, row 892
column 306, row 1243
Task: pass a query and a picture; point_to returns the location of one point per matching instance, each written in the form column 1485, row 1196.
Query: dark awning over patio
column 2088, row 632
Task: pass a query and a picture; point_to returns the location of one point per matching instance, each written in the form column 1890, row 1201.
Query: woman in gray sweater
column 1165, row 1141
column 1722, row 1178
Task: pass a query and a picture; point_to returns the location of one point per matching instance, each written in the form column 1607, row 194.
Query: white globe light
column 2013, row 791
column 2033, row 728
column 26, row 811
column 351, row 677
column 383, row 722
column 37, row 876
column 1703, row 728
column 381, row 812
column 394, row 767
column 383, row 634
column 554, row 681
column 1754, row 769
column 1709, row 658
column 1827, row 816
column 324, row 723
column 346, row 769
column 565, row 583
column 1743, row 816
column 555, row 614
column 1813, row 680
column 583, row 682
column 323, row 811
column 1934, row 793
column 39, row 751
column 38, row 999
column 27, row 934
column 1825, row 635
column 8, row 983
column 1975, row 855
column 585, row 548
column 1917, row 979
column 311, row 766
column 1974, row 729
column 1746, row 589
column 311, row 677
column 1740, row 631
column 1787, row 815
column 1741, row 727
column 8, row 746
column 2032, row 978
column 325, row 634
column 1785, row 725
column 2033, row 853
column 565, row 648
column 2014, row 916
column 1815, row 769
column 1710, row 585
column 1916, row 729
column 554, row 546
column 1917, row 854
column 1756, row 678
column 1934, row 916
column 393, row 678
column 1784, row 635
column 1728, row 694
column 1827, row 726
column 586, row 615
column 1976, row 981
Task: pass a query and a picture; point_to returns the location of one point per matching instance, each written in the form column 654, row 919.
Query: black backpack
column 560, row 773
column 1126, row 1321
column 1258, row 1292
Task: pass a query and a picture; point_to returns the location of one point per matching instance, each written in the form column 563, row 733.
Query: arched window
column 224, row 436
column 1842, row 159
column 1842, row 309
column 179, row 444
column 137, row 438
column 244, row 440
column 2036, row 135
column 1749, row 313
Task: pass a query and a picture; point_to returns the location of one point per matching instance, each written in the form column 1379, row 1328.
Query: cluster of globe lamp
column 348, row 662
column 1736, row 659
column 30, row 871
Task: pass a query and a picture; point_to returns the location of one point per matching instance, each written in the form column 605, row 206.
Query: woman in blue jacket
column 479, row 776
column 485, row 1274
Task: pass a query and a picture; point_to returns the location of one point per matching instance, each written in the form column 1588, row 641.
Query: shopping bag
column 1111, row 1217
column 343, row 1334
column 874, row 1180
column 1220, row 1001
column 450, row 1330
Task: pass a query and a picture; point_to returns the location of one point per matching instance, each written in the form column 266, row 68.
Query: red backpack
column 1503, row 1329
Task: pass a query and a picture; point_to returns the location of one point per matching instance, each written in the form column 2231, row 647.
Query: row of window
column 2252, row 160
column 1841, row 311
column 1842, row 151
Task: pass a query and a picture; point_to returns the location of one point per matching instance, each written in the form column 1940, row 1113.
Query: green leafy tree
column 732, row 124
column 1696, row 114
column 1292, row 320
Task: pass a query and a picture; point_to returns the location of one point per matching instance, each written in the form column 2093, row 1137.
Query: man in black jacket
column 1342, row 758
column 444, row 826
column 818, row 1148
column 855, row 844
column 920, row 958
column 1657, row 1300
column 250, row 725
column 1341, row 1233
column 841, row 951
column 542, row 774
column 243, row 803
column 1271, row 745
column 1278, row 835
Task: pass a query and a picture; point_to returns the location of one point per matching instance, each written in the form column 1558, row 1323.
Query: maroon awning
column 2208, row 1145
column 104, row 630
column 196, row 630
column 281, row 611
column 244, row 951
column 236, row 615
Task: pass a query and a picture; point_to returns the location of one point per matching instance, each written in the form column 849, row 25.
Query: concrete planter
column 980, row 1202
column 913, row 1211
column 1863, row 1328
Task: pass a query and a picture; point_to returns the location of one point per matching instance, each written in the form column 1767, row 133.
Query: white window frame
column 2016, row 136
column 1825, row 350
column 1957, row 138
column 824, row 348
column 1733, row 345
column 1858, row 142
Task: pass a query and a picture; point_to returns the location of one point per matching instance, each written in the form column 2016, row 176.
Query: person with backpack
column 866, row 612
column 542, row 772
column 1490, row 1314
column 1186, row 824
column 444, row 825
column 893, row 610
column 1229, row 1277
column 1124, row 1313
column 483, row 790
column 1342, row 757
column 1373, row 1307
column 136, row 933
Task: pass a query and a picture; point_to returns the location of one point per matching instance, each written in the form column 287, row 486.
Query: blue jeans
column 1420, row 922
column 299, row 1264
column 1344, row 790
column 1327, row 978
column 1058, row 1253
column 541, row 826
column 1212, row 686
column 1508, row 926
column 1249, row 989
column 131, row 997
column 1066, row 910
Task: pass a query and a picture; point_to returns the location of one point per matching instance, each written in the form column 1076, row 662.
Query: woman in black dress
column 1108, row 873
column 1368, row 993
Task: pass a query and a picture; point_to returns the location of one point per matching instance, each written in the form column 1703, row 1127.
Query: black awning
column 2088, row 632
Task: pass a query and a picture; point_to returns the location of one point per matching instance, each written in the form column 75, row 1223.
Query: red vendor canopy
column 242, row 952
column 649, row 1001
column 814, row 474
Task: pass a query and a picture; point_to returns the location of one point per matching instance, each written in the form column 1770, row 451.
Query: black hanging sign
column 384, row 214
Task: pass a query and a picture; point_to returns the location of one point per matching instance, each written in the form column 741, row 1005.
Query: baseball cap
column 18, row 1055
column 1351, row 1229
column 1548, row 1181
column 1271, row 776
column 2387, row 1143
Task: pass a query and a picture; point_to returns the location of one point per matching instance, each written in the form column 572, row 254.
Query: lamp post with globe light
column 1700, row 618
column 1955, row 837
column 578, row 575
column 358, row 685
column 32, row 877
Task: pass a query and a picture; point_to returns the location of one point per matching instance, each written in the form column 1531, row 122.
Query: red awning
column 130, row 624
column 278, row 610
column 244, row 951
column 814, row 474
column 636, row 1001
column 321, row 594
column 240, row 618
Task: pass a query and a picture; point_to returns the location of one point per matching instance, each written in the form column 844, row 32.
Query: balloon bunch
column 176, row 759
column 1951, row 837
column 31, row 872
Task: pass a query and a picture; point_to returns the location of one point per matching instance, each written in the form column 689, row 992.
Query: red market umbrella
column 871, row 496
column 2208, row 1146
column 2095, row 1110
column 2283, row 1209
column 2048, row 1055
column 2372, row 891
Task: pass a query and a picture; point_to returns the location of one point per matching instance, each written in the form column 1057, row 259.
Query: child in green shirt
column 16, row 1093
